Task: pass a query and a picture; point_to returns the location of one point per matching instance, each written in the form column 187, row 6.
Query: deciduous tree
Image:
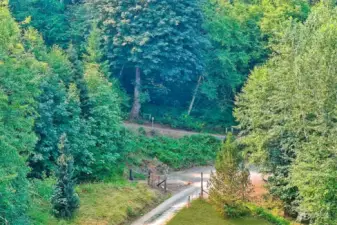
column 153, row 38
column 287, row 113
column 20, row 75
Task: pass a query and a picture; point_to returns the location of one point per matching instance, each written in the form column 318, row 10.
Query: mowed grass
column 100, row 204
column 202, row 213
column 105, row 204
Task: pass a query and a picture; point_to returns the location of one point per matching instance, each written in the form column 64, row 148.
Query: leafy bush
column 263, row 213
column 206, row 120
column 189, row 151
column 235, row 210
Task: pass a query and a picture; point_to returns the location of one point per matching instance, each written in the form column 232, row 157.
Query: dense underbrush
column 186, row 152
column 202, row 120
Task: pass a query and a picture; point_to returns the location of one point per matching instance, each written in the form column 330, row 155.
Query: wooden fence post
column 202, row 186
column 131, row 175
column 149, row 178
column 165, row 185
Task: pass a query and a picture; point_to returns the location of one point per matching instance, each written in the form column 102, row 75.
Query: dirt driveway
column 165, row 131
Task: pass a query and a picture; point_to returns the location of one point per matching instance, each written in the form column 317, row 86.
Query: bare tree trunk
column 136, row 99
column 194, row 96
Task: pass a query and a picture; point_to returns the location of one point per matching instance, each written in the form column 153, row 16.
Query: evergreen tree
column 78, row 71
column 230, row 184
column 65, row 201
column 20, row 75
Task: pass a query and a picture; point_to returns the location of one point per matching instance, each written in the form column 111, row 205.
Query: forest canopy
column 72, row 71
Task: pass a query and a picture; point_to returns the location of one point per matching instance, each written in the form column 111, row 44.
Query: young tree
column 230, row 184
column 20, row 75
column 65, row 201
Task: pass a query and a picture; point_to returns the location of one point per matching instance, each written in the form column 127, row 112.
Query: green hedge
column 265, row 214
column 186, row 152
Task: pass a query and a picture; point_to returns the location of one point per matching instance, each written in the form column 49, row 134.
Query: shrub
column 263, row 213
column 235, row 210
column 189, row 151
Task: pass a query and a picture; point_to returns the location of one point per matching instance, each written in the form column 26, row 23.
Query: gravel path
column 184, row 183
column 175, row 133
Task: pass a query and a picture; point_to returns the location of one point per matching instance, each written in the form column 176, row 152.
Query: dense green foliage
column 47, row 16
column 237, row 46
column 197, row 150
column 20, row 75
column 53, row 116
column 154, row 39
column 104, row 121
column 230, row 184
column 72, row 66
column 288, row 114
column 188, row 53
column 261, row 212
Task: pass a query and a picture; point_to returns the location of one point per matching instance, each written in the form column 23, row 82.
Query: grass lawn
column 202, row 213
column 100, row 204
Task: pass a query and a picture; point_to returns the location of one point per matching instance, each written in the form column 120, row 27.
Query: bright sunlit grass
column 100, row 204
column 202, row 213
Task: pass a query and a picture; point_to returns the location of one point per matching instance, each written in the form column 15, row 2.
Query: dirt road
column 165, row 131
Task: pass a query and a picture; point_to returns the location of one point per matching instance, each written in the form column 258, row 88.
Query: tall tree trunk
column 194, row 96
column 136, row 99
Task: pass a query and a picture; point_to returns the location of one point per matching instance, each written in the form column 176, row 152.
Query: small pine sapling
column 65, row 201
column 230, row 185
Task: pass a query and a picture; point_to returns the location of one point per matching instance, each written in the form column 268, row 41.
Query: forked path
column 188, row 183
column 182, row 184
